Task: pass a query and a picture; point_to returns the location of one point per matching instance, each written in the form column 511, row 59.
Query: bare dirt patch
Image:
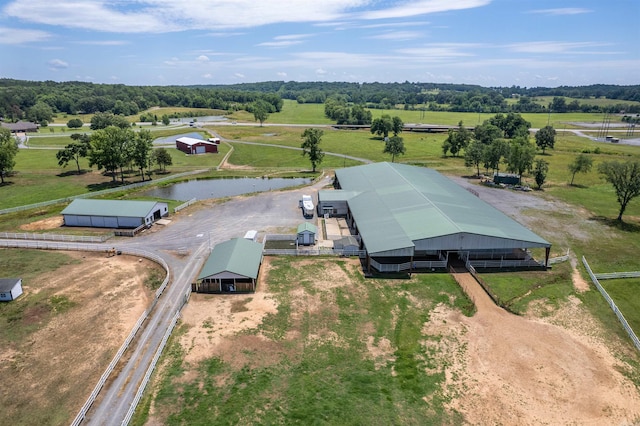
column 517, row 370
column 44, row 224
column 47, row 377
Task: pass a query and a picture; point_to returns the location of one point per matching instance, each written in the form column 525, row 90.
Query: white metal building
column 113, row 213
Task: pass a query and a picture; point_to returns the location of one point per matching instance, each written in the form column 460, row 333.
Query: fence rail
column 56, row 237
column 559, row 259
column 505, row 263
column 97, row 193
column 55, row 245
column 612, row 305
column 614, row 275
column 185, row 205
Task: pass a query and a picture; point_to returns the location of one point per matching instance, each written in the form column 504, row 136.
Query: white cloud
column 320, row 71
column 158, row 16
column 202, row 58
column 57, row 64
column 20, row 36
column 103, row 42
column 281, row 74
column 557, row 47
column 281, row 43
column 398, row 35
column 239, row 75
column 207, row 76
column 562, row 11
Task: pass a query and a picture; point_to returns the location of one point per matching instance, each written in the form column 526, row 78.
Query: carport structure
column 413, row 218
column 232, row 267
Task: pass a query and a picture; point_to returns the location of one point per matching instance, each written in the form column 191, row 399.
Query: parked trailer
column 307, row 206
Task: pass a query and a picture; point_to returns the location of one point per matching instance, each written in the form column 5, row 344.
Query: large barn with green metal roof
column 413, row 218
column 113, row 213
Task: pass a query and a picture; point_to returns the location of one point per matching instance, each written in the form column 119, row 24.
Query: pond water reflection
column 218, row 188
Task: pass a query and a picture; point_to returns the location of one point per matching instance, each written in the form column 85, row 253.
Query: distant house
column 196, row 146
column 232, row 267
column 113, row 213
column 307, row 234
column 20, row 127
column 10, row 289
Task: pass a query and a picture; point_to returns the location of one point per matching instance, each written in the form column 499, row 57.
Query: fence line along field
column 59, row 336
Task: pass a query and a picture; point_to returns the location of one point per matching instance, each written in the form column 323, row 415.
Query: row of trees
column 8, row 151
column 114, row 148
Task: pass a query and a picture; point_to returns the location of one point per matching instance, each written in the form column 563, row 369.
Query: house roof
column 307, row 226
column 122, row 208
column 20, row 126
column 398, row 204
column 239, row 256
column 192, row 141
column 7, row 284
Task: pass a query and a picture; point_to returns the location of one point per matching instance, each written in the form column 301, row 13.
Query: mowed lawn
column 339, row 350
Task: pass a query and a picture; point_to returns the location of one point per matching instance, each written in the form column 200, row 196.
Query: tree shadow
column 72, row 173
column 92, row 187
column 614, row 223
column 6, row 183
column 577, row 185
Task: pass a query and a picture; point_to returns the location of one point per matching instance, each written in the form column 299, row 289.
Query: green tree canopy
column 546, row 138
column 581, row 164
column 540, row 170
column 394, row 146
column 8, row 151
column 511, row 124
column 457, row 140
column 260, row 109
column 625, row 178
column 41, row 113
column 474, row 155
column 311, row 146
column 162, row 158
column 79, row 148
column 111, row 148
column 382, row 126
column 520, row 156
column 493, row 154
column 141, row 149
column 75, row 123
column 487, row 133
column 103, row 120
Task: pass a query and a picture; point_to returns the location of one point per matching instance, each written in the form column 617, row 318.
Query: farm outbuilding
column 413, row 218
column 348, row 245
column 232, row 267
column 113, row 213
column 20, row 126
column 196, row 146
column 10, row 289
column 306, row 234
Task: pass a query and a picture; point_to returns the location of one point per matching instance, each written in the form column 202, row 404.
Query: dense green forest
column 33, row 100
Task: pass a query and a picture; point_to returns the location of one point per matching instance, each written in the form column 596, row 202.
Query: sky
column 526, row 43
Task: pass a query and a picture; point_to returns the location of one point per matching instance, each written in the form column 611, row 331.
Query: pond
column 217, row 188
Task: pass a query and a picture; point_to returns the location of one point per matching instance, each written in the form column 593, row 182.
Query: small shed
column 232, row 267
column 10, row 289
column 348, row 245
column 196, row 146
column 306, row 234
column 113, row 213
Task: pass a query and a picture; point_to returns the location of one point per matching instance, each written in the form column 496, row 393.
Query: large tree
column 546, row 138
column 382, row 126
column 77, row 149
column 474, row 154
column 457, row 140
column 520, row 156
column 493, row 154
column 102, row 120
column 625, row 178
column 394, row 146
column 110, row 149
column 581, row 164
column 162, row 158
column 487, row 133
column 8, row 151
column 141, row 150
column 260, row 109
column 512, row 124
column 41, row 113
column 311, row 146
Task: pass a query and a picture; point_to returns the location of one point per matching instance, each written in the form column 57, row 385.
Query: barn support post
column 546, row 257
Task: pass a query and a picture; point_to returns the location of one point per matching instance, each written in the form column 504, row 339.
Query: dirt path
column 526, row 371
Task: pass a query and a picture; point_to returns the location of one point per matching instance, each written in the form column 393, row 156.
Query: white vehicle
column 307, row 206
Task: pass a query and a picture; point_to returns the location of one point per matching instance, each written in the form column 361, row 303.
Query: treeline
column 38, row 100
column 32, row 100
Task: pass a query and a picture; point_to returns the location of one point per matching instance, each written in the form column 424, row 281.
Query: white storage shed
column 10, row 289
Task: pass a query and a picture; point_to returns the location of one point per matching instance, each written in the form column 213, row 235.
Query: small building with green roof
column 306, row 234
column 113, row 213
column 411, row 218
column 232, row 267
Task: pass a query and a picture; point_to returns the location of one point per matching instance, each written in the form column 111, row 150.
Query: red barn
column 195, row 146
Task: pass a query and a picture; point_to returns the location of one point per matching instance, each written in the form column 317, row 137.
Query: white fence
column 613, row 306
column 506, row 263
column 97, row 193
column 52, row 245
column 185, row 205
column 56, row 237
column 614, row 275
column 559, row 259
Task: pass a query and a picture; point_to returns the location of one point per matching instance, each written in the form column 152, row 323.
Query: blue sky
column 161, row 42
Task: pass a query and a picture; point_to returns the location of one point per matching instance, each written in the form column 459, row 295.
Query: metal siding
column 110, row 222
column 83, row 220
column 200, row 149
column 97, row 221
column 464, row 241
column 129, row 222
